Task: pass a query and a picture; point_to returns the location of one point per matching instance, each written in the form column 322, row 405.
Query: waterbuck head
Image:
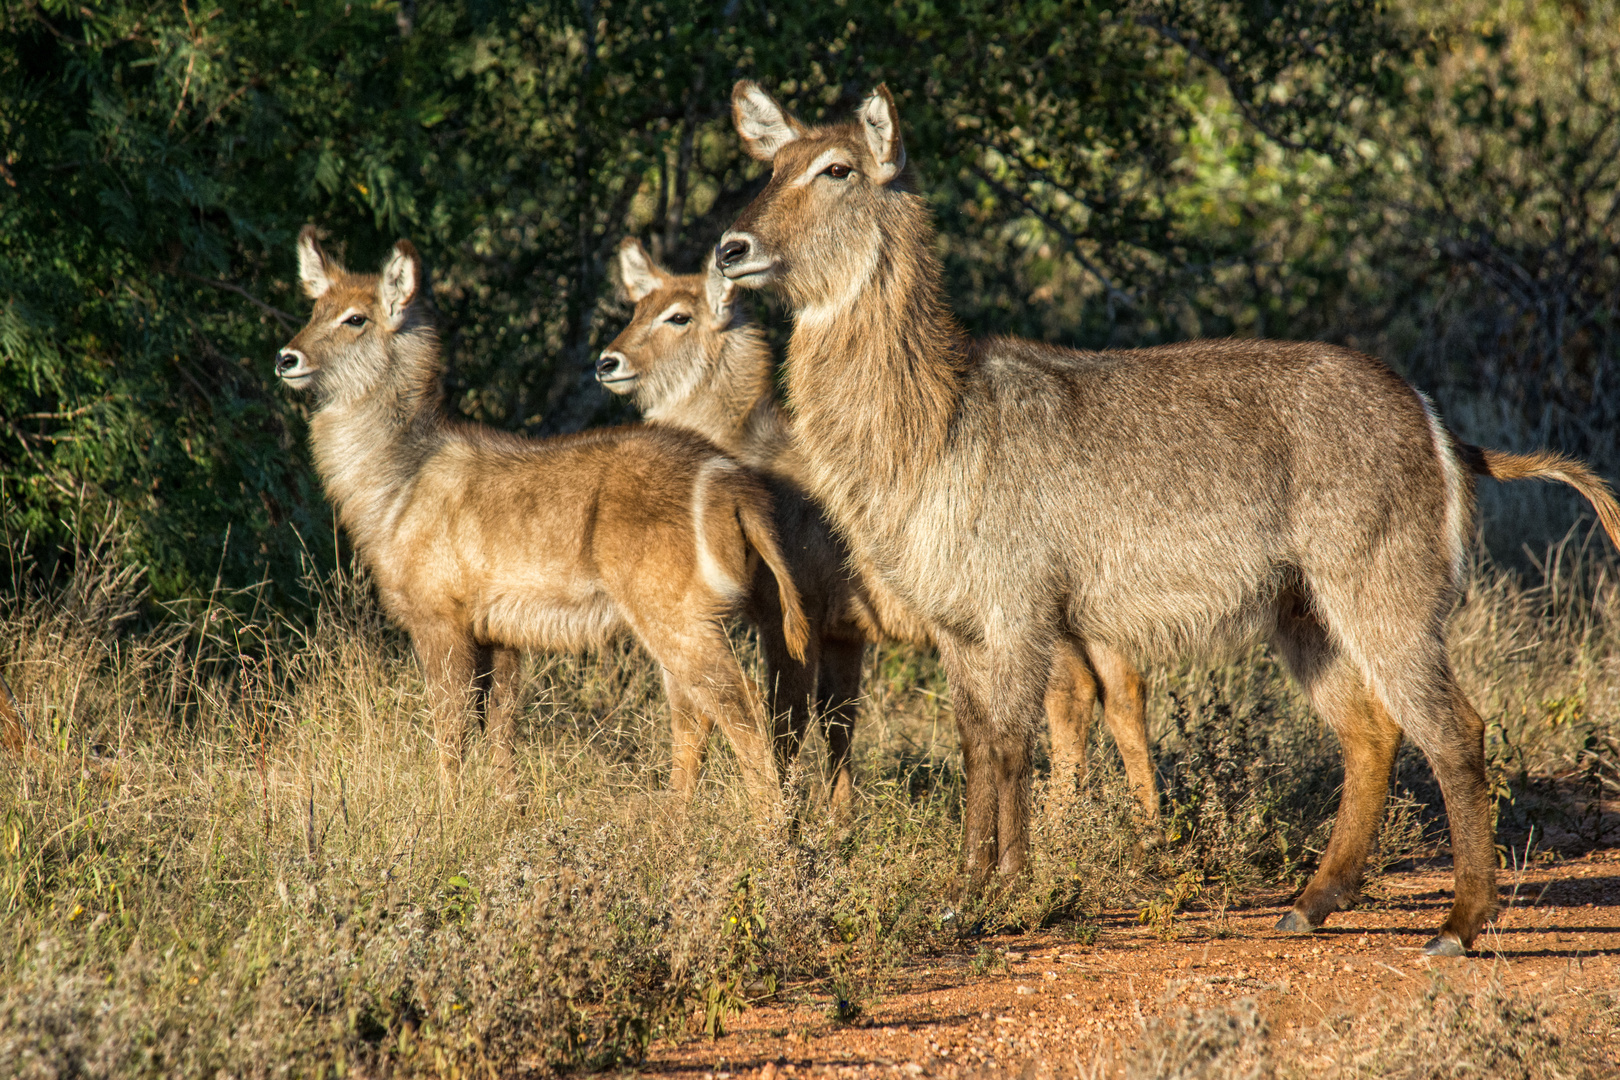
column 349, row 343
column 834, row 200
column 675, row 337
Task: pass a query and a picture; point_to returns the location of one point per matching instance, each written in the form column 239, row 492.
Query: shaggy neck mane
column 369, row 443
column 874, row 388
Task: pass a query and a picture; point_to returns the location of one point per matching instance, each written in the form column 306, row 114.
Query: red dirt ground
column 1055, row 1003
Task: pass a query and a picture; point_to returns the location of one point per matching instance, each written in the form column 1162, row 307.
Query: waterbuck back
column 483, row 543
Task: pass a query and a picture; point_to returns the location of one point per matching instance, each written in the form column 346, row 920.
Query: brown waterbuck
column 484, row 543
column 691, row 358
column 1157, row 501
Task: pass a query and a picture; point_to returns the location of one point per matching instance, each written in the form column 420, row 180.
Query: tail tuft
column 1547, row 465
column 761, row 533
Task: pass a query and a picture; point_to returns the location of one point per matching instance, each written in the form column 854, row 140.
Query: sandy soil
column 1049, row 1001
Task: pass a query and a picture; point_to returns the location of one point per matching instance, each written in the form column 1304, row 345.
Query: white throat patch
column 817, row 315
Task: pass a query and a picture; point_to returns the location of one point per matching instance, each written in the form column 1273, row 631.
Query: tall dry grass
column 222, row 850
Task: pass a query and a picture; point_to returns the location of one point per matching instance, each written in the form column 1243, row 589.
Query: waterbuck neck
column 876, row 386
column 734, row 405
column 369, row 443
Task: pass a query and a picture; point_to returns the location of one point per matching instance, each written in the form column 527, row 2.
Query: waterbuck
column 484, row 543
column 1156, row 501
column 691, row 358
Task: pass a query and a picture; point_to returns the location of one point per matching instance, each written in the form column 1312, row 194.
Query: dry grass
column 223, row 849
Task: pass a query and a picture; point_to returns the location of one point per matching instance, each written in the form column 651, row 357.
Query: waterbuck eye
column 355, row 320
column 679, row 318
column 837, row 170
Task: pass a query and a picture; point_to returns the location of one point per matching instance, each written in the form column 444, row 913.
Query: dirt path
column 1049, row 1001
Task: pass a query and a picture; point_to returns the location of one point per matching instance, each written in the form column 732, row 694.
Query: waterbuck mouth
column 619, row 384
column 751, row 276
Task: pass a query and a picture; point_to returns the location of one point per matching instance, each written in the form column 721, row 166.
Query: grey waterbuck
column 1157, row 501
column 691, row 358
column 483, row 543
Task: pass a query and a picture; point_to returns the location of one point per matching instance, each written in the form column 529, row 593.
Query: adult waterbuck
column 690, row 357
column 483, row 543
column 1156, row 501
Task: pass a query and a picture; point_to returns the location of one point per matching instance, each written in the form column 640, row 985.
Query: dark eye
column 679, row 319
column 355, row 320
column 837, row 171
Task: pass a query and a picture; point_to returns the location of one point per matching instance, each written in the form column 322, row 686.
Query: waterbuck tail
column 761, row 535
column 1547, row 465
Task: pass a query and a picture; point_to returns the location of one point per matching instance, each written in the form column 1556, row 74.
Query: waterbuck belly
column 553, row 616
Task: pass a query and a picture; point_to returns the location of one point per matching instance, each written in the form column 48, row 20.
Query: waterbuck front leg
column 505, row 673
column 448, row 657
column 997, row 696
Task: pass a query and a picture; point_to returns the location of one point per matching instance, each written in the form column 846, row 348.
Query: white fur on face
column 760, row 121
column 824, row 159
column 677, row 308
column 882, row 129
column 312, row 269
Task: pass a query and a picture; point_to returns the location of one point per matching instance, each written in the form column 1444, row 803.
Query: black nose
column 731, row 252
column 285, row 361
column 607, row 365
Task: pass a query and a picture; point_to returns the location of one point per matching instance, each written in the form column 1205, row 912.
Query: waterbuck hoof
column 1295, row 923
column 1444, row 945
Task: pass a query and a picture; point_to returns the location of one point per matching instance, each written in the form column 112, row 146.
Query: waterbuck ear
column 764, row 127
column 400, row 283
column 720, row 292
column 640, row 276
column 881, row 123
column 315, row 270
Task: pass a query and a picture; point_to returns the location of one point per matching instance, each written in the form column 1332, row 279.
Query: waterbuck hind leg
column 713, row 684
column 1125, row 712
column 790, row 687
column 1458, row 760
column 1369, row 739
column 1071, row 698
column 838, row 691
column 688, row 734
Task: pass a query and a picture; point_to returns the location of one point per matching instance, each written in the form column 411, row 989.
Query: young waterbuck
column 690, row 357
column 484, row 543
column 1156, row 501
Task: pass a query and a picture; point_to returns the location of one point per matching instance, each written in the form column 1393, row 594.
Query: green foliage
column 1436, row 184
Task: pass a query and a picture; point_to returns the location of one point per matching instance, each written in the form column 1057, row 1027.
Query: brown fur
column 692, row 358
column 484, row 543
column 1157, row 501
